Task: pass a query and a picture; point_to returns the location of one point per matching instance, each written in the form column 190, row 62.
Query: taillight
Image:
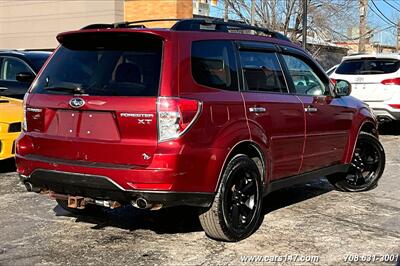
column 34, row 119
column 175, row 116
column 396, row 106
column 333, row 81
column 24, row 124
column 394, row 81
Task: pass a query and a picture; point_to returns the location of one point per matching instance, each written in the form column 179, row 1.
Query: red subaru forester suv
column 205, row 114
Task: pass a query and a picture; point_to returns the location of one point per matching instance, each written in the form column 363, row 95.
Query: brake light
column 24, row 124
column 34, row 119
column 396, row 106
column 394, row 81
column 175, row 116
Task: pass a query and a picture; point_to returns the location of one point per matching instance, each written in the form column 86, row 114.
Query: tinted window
column 368, row 66
column 214, row 65
column 109, row 65
column 38, row 61
column 262, row 72
column 305, row 79
column 11, row 67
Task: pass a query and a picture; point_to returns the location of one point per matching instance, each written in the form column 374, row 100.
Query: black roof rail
column 195, row 24
column 98, row 26
column 222, row 26
column 126, row 24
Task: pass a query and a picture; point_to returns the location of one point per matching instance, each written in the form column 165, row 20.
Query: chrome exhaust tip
column 28, row 186
column 141, row 203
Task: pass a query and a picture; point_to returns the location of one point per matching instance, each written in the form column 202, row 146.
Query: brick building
column 33, row 24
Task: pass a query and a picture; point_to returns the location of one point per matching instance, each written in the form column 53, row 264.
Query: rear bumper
column 386, row 115
column 103, row 188
column 384, row 112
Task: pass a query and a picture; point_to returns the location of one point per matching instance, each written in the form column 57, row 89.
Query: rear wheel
column 91, row 210
column 366, row 167
column 236, row 210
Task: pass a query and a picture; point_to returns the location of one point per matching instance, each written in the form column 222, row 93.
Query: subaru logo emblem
column 76, row 103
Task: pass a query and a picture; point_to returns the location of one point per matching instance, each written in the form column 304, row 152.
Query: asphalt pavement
column 305, row 224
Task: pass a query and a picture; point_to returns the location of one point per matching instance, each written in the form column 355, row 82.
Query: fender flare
column 353, row 139
column 230, row 155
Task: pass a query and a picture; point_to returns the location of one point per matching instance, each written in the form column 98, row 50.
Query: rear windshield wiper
column 75, row 90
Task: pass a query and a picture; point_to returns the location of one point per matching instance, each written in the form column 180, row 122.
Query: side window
column 305, row 80
column 262, row 72
column 10, row 67
column 214, row 65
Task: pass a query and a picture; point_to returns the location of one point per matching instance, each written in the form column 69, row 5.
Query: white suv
column 375, row 79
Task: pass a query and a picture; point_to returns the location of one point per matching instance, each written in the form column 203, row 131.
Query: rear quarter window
column 368, row 66
column 214, row 64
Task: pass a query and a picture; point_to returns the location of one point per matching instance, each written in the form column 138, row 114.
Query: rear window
column 368, row 66
column 38, row 61
column 104, row 64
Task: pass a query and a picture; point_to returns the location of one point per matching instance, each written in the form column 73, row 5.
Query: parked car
column 375, row 79
column 331, row 70
column 18, row 69
column 10, row 125
column 193, row 115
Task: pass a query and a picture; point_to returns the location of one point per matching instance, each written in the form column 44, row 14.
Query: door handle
column 257, row 109
column 3, row 89
column 310, row 109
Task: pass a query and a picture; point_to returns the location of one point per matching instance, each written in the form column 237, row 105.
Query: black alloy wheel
column 236, row 211
column 241, row 199
column 366, row 167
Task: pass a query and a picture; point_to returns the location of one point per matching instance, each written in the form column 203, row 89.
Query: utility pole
column 398, row 36
column 253, row 12
column 226, row 10
column 304, row 23
column 363, row 26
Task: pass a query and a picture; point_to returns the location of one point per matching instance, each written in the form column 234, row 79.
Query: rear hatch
column 368, row 77
column 96, row 99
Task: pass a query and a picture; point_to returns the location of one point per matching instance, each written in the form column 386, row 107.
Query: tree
column 327, row 19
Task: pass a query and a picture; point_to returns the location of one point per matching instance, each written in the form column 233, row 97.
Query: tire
column 237, row 206
column 366, row 168
column 89, row 210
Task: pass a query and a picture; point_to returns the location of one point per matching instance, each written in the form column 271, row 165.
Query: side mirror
column 25, row 77
column 342, row 88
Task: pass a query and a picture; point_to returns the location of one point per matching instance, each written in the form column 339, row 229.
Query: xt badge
column 144, row 121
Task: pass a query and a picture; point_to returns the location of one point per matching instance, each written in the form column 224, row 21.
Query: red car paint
column 103, row 139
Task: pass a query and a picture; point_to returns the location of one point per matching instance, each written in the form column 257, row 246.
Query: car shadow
column 185, row 219
column 389, row 128
column 288, row 196
column 7, row 166
column 164, row 221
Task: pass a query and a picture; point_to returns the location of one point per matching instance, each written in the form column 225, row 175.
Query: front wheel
column 366, row 167
column 236, row 210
